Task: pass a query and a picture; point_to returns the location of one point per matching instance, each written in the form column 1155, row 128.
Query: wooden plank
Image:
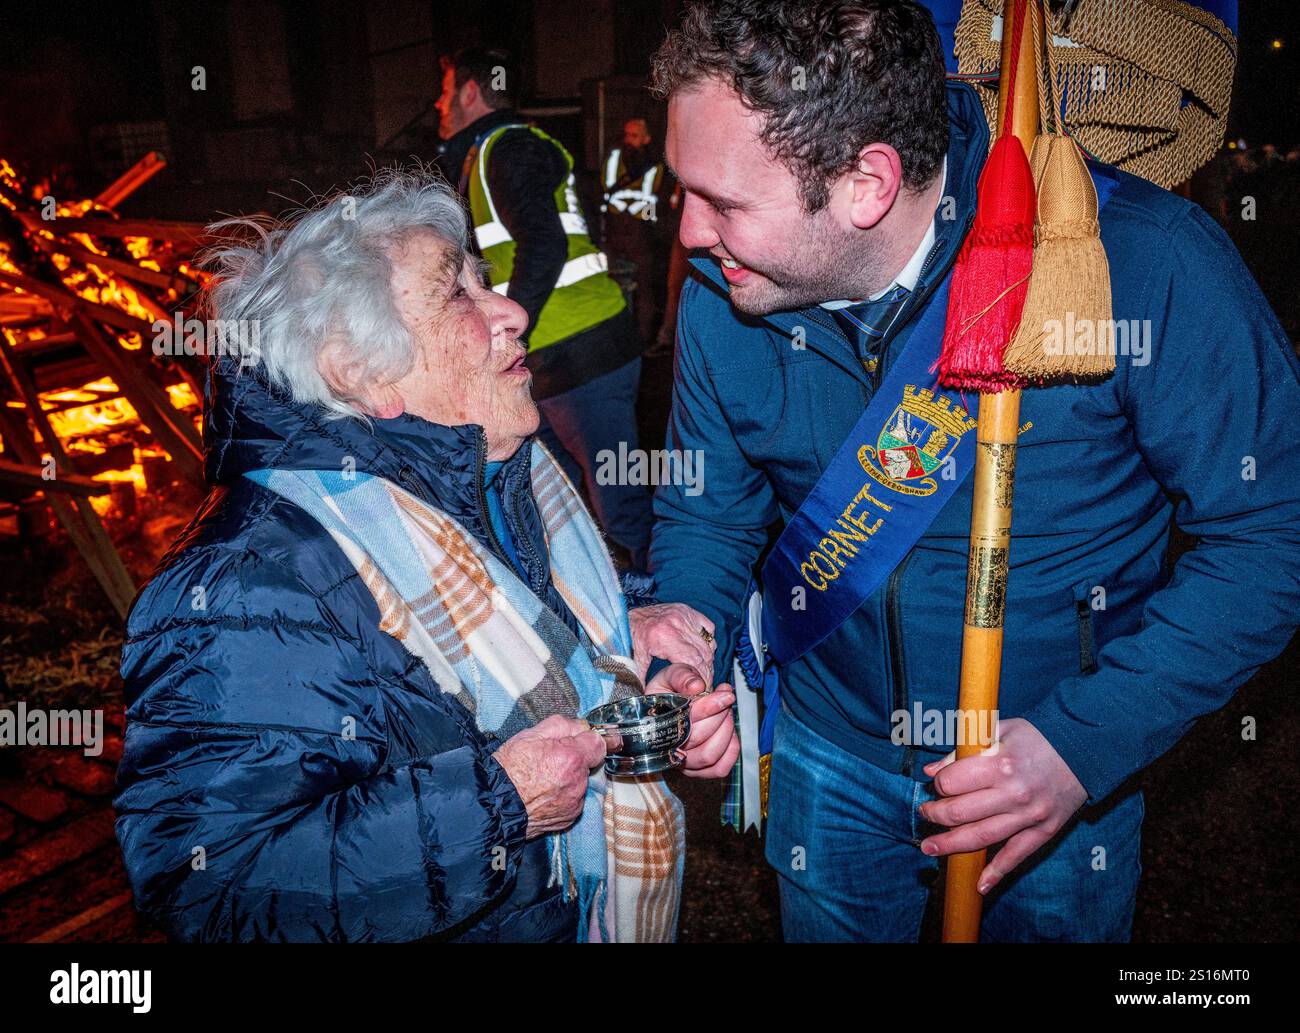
column 34, row 477
column 88, row 917
column 49, row 852
column 64, row 299
column 64, row 406
column 80, row 520
column 171, row 427
column 122, row 266
column 62, row 370
column 20, row 306
column 131, row 180
column 192, row 233
column 19, row 440
column 27, row 344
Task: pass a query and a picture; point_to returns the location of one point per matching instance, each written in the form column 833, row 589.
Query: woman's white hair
column 323, row 276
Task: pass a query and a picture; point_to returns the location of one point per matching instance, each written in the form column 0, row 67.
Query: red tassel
column 991, row 277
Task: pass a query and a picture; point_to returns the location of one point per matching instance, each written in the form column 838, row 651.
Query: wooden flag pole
column 990, row 529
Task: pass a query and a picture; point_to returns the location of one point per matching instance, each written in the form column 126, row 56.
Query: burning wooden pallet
column 80, row 292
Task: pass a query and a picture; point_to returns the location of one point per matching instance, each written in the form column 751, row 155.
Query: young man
column 583, row 348
column 830, row 174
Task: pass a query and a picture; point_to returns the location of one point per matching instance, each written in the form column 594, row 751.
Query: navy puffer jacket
column 291, row 772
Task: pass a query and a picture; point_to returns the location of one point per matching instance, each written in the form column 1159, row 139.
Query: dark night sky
column 107, row 48
column 1266, row 96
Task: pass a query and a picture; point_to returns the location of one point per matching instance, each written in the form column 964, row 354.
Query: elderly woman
column 355, row 683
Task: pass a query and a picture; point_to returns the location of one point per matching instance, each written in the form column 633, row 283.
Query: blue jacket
column 246, row 810
column 1109, row 654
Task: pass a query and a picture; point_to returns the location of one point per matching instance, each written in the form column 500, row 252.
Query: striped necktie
column 865, row 323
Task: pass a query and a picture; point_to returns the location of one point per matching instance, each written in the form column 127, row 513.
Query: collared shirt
column 911, row 272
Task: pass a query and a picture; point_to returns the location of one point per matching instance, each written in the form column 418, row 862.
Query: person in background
column 634, row 182
column 583, row 348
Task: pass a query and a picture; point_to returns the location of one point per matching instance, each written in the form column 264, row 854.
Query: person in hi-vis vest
column 633, row 177
column 583, row 348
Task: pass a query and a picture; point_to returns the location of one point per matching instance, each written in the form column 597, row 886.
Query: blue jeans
column 844, row 837
column 583, row 423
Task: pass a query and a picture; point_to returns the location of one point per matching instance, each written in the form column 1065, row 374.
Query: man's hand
column 1019, row 790
column 671, row 631
column 549, row 765
column 713, row 746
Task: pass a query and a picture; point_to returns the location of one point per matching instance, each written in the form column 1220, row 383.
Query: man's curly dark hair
column 828, row 77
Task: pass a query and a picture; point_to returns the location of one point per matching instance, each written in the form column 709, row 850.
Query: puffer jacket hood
column 250, row 424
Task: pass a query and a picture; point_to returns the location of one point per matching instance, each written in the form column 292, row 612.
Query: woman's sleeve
column 238, row 826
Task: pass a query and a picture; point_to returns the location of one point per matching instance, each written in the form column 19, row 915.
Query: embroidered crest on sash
column 920, row 434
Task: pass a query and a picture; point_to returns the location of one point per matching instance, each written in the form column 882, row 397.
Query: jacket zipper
column 897, row 663
column 413, row 485
column 480, row 468
column 833, row 330
column 893, row 605
column 535, row 564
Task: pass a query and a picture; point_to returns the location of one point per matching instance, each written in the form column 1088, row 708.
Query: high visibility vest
column 639, row 200
column 584, row 294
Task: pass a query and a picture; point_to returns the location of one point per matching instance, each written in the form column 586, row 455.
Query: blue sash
column 904, row 458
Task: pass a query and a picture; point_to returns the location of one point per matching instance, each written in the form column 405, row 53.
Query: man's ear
column 469, row 93
column 383, row 402
column 875, row 182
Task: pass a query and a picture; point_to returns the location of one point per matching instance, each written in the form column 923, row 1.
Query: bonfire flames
column 98, row 426
column 85, row 393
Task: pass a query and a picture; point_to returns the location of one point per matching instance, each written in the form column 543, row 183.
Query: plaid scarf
column 511, row 662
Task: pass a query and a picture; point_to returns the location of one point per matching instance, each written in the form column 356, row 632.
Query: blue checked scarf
column 509, row 660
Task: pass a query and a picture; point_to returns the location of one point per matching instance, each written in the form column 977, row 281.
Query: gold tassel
column 1069, row 290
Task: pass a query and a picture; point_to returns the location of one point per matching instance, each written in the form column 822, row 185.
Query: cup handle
column 613, row 740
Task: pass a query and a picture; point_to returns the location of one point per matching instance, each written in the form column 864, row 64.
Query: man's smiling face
column 744, row 207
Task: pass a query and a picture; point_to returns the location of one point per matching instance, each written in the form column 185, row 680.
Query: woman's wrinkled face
column 469, row 362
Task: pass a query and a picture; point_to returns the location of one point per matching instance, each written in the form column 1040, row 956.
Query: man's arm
column 523, row 175
column 708, row 535
column 1215, row 415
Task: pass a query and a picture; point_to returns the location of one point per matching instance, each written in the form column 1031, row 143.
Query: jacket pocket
column 1083, row 596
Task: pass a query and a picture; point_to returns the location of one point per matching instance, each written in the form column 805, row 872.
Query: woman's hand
column 713, row 746
column 671, row 631
column 549, row 765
